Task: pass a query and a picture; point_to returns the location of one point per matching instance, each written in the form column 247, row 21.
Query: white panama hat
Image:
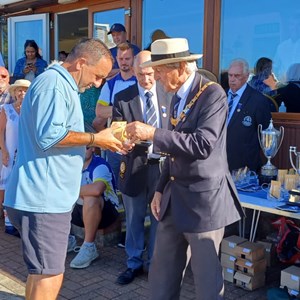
column 166, row 51
column 18, row 83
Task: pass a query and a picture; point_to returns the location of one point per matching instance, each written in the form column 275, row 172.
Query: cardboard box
column 251, row 268
column 250, row 251
column 229, row 243
column 229, row 274
column 290, row 277
column 270, row 252
column 228, row 261
column 249, row 282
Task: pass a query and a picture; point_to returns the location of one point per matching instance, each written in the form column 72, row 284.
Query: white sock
column 89, row 244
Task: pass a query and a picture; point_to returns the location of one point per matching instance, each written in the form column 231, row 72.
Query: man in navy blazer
column 249, row 109
column 195, row 197
column 139, row 169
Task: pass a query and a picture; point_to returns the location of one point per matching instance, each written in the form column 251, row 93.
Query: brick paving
column 98, row 281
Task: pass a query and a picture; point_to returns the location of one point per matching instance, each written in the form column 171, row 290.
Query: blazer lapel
column 134, row 106
column 238, row 112
column 163, row 99
column 193, row 92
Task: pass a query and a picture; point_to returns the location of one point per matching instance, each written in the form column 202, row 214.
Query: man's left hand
column 137, row 131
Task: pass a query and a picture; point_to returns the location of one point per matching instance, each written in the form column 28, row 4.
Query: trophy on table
column 270, row 141
column 296, row 167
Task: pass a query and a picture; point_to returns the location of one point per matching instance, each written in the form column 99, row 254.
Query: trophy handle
column 259, row 129
column 293, row 150
column 281, row 129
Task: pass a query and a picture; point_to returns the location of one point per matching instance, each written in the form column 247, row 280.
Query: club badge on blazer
column 247, row 121
column 122, row 169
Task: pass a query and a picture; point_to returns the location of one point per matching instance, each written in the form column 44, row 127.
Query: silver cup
column 296, row 166
column 270, row 141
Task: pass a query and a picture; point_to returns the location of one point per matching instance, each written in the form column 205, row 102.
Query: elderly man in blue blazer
column 195, row 197
column 146, row 102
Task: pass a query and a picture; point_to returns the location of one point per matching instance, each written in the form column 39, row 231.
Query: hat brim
column 13, row 88
column 150, row 63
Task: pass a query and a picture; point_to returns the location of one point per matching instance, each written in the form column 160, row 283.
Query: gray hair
column 293, row 72
column 91, row 49
column 190, row 67
column 242, row 62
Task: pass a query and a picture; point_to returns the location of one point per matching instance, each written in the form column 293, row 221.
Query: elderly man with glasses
column 5, row 97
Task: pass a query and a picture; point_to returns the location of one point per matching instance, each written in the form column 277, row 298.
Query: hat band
column 156, row 57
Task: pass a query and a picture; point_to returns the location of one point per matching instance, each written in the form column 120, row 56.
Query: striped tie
column 151, row 117
column 230, row 103
column 176, row 105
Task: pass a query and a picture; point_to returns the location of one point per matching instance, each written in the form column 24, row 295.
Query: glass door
column 68, row 32
column 102, row 17
column 22, row 28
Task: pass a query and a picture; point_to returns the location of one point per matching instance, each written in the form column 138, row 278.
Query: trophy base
column 268, row 172
column 266, row 178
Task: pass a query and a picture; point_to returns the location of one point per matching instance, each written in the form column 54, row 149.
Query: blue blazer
column 127, row 106
column 195, row 179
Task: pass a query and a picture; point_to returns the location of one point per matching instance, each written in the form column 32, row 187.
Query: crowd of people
column 176, row 118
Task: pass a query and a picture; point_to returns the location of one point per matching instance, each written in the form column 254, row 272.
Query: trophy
column 296, row 167
column 270, row 141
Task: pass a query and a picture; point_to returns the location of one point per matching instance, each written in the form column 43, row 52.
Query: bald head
column 4, row 79
column 145, row 76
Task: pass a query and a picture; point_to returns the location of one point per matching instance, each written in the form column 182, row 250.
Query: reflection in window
column 181, row 21
column 103, row 21
column 251, row 31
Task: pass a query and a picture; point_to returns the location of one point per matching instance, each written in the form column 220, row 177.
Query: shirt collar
column 143, row 91
column 239, row 92
column 185, row 88
column 60, row 69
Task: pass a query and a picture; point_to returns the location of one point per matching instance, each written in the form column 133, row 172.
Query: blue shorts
column 44, row 239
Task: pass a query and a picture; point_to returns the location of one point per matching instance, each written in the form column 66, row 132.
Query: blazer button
column 172, row 159
column 172, row 178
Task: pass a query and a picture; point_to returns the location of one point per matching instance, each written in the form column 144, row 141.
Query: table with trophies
column 272, row 191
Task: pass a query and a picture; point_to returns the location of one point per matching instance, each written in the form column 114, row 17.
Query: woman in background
column 32, row 64
column 9, row 121
column 264, row 79
column 290, row 94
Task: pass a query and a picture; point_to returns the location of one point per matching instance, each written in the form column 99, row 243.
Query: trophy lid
column 271, row 130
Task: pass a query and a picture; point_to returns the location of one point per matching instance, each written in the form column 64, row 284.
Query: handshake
column 135, row 132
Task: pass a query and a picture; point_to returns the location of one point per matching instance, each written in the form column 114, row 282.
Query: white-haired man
column 195, row 197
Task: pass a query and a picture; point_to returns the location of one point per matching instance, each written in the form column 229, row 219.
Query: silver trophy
column 270, row 141
column 296, row 167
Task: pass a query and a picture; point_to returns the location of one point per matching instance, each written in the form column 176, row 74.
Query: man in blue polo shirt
column 45, row 181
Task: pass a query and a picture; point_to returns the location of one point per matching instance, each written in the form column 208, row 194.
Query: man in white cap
column 195, row 197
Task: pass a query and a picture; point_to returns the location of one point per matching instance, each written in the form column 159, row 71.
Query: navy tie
column 176, row 105
column 151, row 117
column 230, row 103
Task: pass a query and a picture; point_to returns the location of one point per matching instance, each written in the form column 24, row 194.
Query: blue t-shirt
column 99, row 170
column 47, row 178
column 107, row 96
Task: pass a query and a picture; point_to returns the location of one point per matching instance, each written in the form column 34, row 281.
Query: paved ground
column 98, row 281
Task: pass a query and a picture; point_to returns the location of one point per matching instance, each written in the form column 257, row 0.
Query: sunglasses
column 3, row 76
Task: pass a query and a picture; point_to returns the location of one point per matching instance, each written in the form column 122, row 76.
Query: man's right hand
column 155, row 205
column 106, row 140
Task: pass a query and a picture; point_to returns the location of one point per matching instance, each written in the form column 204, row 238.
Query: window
column 254, row 29
column 181, row 20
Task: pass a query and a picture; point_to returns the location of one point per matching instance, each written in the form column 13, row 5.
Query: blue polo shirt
column 46, row 178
